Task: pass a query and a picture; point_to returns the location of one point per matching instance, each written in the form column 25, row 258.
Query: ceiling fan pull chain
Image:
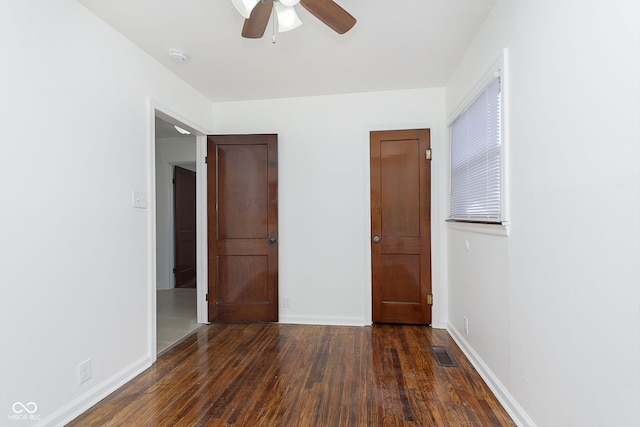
column 273, row 25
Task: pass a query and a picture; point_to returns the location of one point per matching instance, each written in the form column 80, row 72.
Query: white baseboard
column 505, row 398
column 338, row 321
column 439, row 325
column 333, row 321
column 79, row 405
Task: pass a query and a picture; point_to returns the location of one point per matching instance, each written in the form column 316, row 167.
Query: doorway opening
column 176, row 284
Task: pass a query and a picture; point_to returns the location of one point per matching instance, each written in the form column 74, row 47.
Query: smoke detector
column 178, row 56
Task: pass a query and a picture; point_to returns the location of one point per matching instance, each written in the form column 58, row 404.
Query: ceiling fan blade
column 255, row 26
column 331, row 14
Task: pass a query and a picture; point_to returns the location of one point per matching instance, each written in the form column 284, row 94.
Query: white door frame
column 157, row 110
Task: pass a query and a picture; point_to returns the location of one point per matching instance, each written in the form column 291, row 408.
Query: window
column 476, row 159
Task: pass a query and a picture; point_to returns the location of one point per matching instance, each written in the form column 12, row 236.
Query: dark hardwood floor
column 292, row 375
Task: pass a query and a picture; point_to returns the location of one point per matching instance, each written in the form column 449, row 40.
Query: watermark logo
column 19, row 408
column 24, row 412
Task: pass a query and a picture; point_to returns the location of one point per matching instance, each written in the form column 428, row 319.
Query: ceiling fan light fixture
column 245, row 6
column 287, row 17
column 289, row 2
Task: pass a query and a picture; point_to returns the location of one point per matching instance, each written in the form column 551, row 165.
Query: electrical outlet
column 84, row 371
column 465, row 324
column 286, row 302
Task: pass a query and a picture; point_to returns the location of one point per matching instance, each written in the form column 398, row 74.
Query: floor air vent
column 443, row 358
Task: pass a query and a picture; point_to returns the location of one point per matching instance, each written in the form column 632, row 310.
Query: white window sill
column 493, row 229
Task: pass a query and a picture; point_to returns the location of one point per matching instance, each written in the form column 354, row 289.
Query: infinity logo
column 20, row 407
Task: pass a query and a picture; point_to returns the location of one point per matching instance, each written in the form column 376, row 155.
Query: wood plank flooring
column 294, row 375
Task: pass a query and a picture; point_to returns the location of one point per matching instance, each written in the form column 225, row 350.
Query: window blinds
column 476, row 160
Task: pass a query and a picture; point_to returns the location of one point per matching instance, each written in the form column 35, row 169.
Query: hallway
column 176, row 316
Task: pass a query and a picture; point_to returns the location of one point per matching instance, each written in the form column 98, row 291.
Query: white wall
column 76, row 257
column 323, row 172
column 554, row 308
column 170, row 152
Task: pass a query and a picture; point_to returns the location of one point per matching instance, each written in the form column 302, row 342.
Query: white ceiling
column 399, row 44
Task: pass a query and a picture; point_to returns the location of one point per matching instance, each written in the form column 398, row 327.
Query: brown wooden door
column 184, row 203
column 242, row 184
column 401, row 226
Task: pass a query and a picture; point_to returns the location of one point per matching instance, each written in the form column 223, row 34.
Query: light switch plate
column 139, row 199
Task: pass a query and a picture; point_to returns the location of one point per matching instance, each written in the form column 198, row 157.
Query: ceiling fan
column 258, row 12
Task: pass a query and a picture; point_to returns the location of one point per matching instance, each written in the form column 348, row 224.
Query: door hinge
column 428, row 154
column 205, row 159
column 429, row 299
column 206, row 297
column 174, row 271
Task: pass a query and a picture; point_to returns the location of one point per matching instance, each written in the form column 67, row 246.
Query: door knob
column 272, row 240
column 376, row 239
